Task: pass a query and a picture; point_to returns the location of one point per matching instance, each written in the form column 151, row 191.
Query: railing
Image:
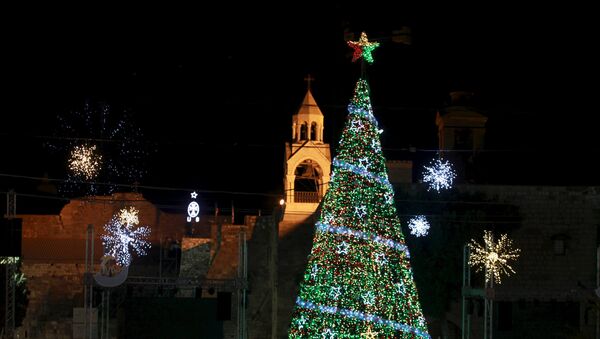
column 306, row 197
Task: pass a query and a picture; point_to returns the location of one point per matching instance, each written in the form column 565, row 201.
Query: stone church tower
column 308, row 160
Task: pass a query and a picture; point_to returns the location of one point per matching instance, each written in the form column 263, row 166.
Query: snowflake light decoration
column 419, row 226
column 122, row 233
column 493, row 256
column 129, row 216
column 439, row 175
column 85, row 162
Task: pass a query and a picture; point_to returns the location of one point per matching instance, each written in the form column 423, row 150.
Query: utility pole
column 466, row 317
column 11, row 267
column 273, row 248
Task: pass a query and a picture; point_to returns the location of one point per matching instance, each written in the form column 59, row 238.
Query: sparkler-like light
column 419, row 226
column 85, row 161
column 439, row 175
column 122, row 143
column 122, row 233
column 493, row 256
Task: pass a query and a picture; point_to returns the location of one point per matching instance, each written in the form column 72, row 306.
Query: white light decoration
column 343, row 248
column 328, row 334
column 122, row 233
column 440, row 175
column 85, row 162
column 493, row 256
column 400, row 287
column 364, row 162
column 419, row 226
column 368, row 298
column 335, row 292
column 356, row 125
column 301, row 322
column 360, row 211
column 313, row 271
column 380, row 258
column 281, row 202
column 193, row 209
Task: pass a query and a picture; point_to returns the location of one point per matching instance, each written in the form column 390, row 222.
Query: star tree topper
column 363, row 48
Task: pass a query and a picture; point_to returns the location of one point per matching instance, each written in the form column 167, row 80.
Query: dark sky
column 214, row 89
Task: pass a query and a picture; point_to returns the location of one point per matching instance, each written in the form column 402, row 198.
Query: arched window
column 307, row 182
column 313, row 131
column 304, row 131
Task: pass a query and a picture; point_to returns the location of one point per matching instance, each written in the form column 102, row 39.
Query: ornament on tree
column 363, row 48
column 358, row 279
column 193, row 209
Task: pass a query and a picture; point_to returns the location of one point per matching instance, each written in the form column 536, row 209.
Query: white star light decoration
column 313, row 271
column 419, row 226
column 122, row 234
column 335, row 292
column 328, row 334
column 493, row 256
column 360, row 211
column 439, row 175
column 85, row 162
column 343, row 248
column 368, row 298
column 380, row 258
column 193, row 209
column 400, row 287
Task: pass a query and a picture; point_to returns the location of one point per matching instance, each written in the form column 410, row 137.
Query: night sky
column 214, row 89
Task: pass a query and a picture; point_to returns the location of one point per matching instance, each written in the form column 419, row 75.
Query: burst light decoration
column 358, row 279
column 85, row 162
column 123, row 234
column 440, row 175
column 493, row 256
column 363, row 48
column 419, row 226
column 124, row 149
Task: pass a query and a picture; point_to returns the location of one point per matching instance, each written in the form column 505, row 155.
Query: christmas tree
column 358, row 282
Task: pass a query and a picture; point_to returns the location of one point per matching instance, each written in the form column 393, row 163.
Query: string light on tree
column 440, row 175
column 123, row 235
column 419, row 226
column 85, row 162
column 193, row 209
column 493, row 257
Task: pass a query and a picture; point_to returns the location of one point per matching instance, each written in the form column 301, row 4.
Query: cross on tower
column 308, row 79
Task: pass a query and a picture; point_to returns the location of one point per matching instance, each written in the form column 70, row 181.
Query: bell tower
column 308, row 159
